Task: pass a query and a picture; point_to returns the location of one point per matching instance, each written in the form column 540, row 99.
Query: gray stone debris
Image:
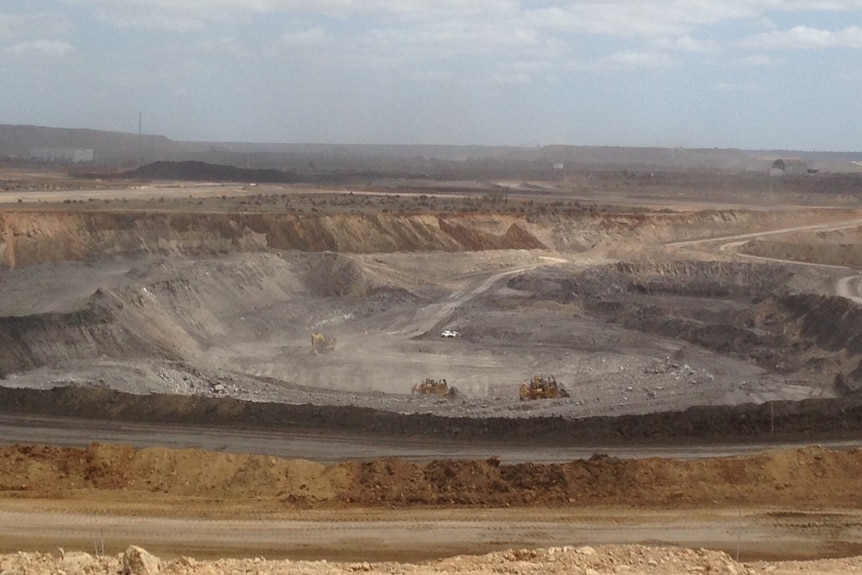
column 138, row 561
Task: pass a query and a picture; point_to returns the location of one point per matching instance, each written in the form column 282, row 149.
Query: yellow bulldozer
column 321, row 343
column 437, row 387
column 541, row 387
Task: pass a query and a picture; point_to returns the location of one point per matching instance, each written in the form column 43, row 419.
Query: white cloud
column 455, row 40
column 626, row 60
column 410, row 56
column 29, row 25
column 530, row 66
column 42, row 48
column 151, row 20
column 511, row 78
column 632, row 59
column 219, row 9
column 732, row 87
column 852, row 77
column 832, row 5
column 613, row 17
column 521, row 71
column 310, row 36
column 433, row 75
column 183, row 15
column 803, row 37
column 487, row 37
column 643, row 19
column 222, row 46
column 760, row 61
column 689, row 44
column 405, row 30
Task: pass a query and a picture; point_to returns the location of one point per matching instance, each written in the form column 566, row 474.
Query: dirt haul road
column 333, row 447
column 846, row 286
column 423, row 535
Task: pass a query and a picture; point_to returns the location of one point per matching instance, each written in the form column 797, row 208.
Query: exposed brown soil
column 220, row 484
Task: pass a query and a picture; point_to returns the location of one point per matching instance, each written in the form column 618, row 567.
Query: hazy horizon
column 263, row 143
column 744, row 74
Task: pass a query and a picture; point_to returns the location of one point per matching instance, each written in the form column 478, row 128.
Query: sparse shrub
column 496, row 196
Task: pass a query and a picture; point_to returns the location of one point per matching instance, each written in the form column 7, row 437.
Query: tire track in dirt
column 419, row 535
column 431, row 315
column 754, row 235
column 846, row 287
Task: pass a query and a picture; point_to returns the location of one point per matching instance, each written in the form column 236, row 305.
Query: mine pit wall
column 30, row 238
column 815, row 335
column 833, row 324
column 124, row 327
column 93, row 332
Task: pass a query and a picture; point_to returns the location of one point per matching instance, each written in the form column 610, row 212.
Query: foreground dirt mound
column 799, row 477
column 553, row 561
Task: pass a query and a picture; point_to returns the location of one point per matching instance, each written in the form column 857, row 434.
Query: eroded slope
column 802, row 478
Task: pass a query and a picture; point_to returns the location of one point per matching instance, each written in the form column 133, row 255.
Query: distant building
column 559, row 166
column 73, row 155
column 789, row 167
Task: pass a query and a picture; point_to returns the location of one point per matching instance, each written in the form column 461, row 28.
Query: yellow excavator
column 431, row 387
column 322, row 343
column 436, row 387
column 541, row 387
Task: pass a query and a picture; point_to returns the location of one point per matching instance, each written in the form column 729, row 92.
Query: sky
column 751, row 74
